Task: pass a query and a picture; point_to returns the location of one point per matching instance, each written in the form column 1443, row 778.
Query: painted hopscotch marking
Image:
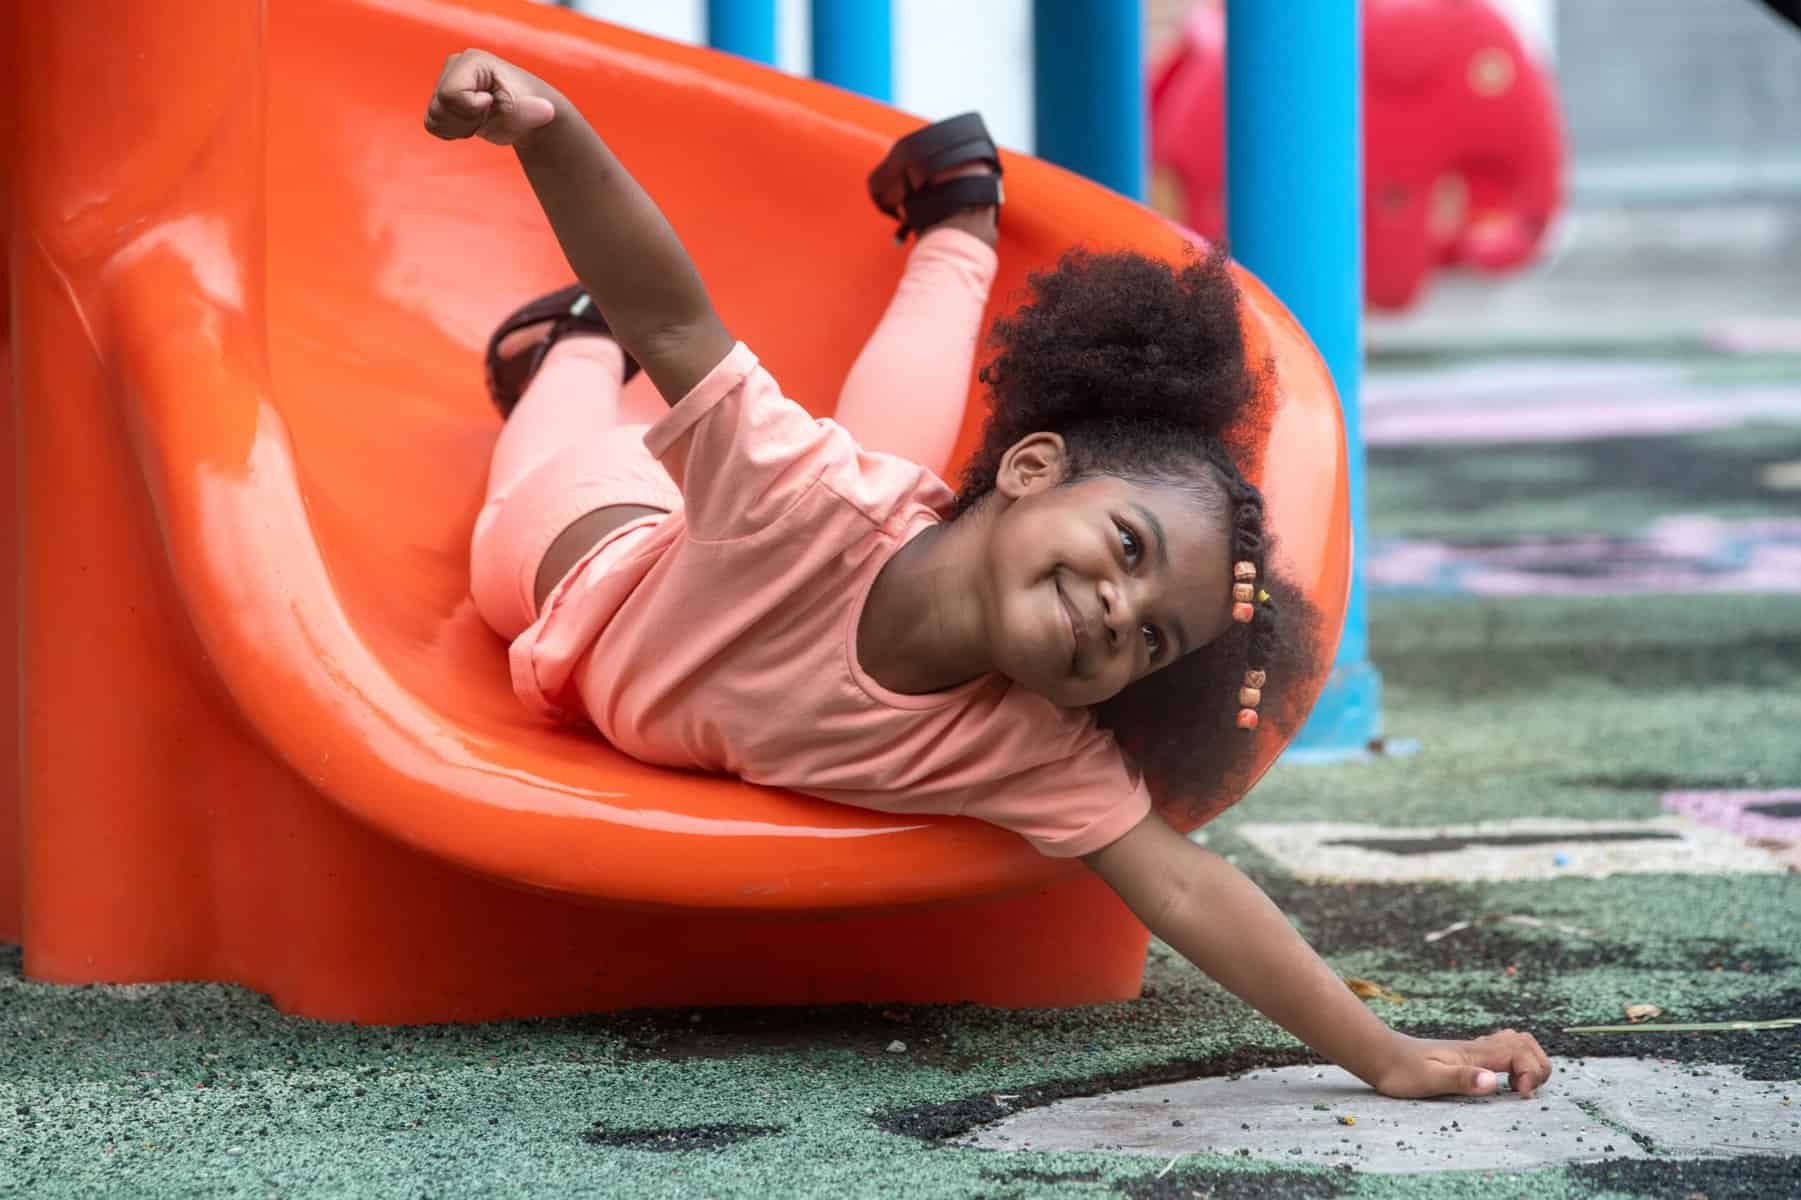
column 1592, row 1109
column 1771, row 819
column 1532, row 848
column 1775, row 813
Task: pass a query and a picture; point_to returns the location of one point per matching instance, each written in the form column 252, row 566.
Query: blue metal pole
column 743, row 27
column 1294, row 212
column 853, row 45
column 1089, row 89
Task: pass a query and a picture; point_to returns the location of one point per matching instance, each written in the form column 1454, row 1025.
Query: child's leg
column 906, row 392
column 563, row 457
column 574, row 395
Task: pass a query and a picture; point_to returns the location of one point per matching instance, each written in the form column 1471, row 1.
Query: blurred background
column 1679, row 214
column 1582, row 273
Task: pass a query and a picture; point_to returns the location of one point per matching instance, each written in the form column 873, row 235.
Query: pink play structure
column 1464, row 154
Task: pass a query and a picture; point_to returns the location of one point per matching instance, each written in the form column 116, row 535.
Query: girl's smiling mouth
column 1073, row 620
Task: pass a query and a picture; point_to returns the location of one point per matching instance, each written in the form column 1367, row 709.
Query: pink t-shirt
column 723, row 637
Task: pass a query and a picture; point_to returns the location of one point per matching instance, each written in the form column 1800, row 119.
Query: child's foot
column 517, row 348
column 945, row 174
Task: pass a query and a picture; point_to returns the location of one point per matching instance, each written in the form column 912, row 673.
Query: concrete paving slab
column 1535, row 848
column 1703, row 1111
column 1593, row 1109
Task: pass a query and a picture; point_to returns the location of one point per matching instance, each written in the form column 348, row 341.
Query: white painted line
column 1532, row 848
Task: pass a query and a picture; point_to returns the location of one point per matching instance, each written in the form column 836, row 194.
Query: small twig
column 1166, row 1166
column 1727, row 1026
column 1509, row 919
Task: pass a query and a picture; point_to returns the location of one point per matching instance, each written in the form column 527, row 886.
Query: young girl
column 727, row 584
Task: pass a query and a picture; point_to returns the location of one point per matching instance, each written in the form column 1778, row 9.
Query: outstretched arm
column 611, row 231
column 1221, row 922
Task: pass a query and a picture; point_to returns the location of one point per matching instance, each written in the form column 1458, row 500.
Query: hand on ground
column 1425, row 1067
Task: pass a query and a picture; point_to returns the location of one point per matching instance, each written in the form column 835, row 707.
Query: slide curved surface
column 281, row 286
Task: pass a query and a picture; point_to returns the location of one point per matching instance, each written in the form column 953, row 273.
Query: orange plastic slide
column 262, row 736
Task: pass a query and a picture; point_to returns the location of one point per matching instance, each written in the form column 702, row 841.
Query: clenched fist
column 479, row 95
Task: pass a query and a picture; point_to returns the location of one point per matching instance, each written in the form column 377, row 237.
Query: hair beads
column 1243, row 611
column 1250, row 603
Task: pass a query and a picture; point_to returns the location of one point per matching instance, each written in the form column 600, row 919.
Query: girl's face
column 1095, row 584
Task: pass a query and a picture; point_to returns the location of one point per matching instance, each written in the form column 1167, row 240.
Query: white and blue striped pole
column 743, row 27
column 853, row 46
column 1089, row 102
column 1294, row 215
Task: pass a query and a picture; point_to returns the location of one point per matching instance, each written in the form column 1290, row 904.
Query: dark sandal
column 566, row 310
column 931, row 151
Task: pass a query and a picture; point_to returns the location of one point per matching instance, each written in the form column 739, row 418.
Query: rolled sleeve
column 748, row 453
column 718, row 383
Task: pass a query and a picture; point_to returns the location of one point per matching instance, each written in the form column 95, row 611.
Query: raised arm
column 1221, row 922
column 614, row 236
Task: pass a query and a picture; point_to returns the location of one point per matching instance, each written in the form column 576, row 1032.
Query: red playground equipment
column 1464, row 154
column 263, row 736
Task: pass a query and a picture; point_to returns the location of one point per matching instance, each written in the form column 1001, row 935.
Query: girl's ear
column 1032, row 464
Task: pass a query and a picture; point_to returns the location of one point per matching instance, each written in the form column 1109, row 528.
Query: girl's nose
column 1119, row 612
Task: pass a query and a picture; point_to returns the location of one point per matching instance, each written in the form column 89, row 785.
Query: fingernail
column 1485, row 1079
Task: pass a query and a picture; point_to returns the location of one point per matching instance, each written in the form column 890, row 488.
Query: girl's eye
column 1153, row 640
column 1129, row 540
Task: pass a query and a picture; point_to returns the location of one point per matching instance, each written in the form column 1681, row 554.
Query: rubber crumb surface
column 1571, row 707
column 202, row 1089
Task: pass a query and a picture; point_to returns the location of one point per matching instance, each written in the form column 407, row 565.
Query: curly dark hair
column 1140, row 366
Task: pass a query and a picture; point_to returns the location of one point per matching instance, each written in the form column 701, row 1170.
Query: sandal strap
column 561, row 311
column 560, row 303
column 930, row 205
column 931, row 150
column 952, row 143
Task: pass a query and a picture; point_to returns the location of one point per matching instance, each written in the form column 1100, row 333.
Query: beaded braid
column 1250, row 603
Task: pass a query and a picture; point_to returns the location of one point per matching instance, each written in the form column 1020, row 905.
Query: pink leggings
column 574, row 443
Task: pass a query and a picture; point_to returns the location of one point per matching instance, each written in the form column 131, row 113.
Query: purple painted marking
column 1564, row 423
column 1559, row 424
column 1729, row 811
column 1752, row 335
column 1528, row 402
column 1684, row 554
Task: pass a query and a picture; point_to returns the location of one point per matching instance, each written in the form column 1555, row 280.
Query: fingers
column 1519, row 1054
column 513, row 118
column 1452, row 1078
column 1523, row 1077
column 479, row 95
column 464, row 96
column 1474, row 1068
column 1537, row 1065
column 457, row 114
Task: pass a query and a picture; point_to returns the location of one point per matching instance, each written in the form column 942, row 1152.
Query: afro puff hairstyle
column 1139, row 365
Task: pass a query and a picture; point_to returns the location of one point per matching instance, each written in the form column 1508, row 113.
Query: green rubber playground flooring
column 1522, row 707
column 1469, row 491
column 1475, row 492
